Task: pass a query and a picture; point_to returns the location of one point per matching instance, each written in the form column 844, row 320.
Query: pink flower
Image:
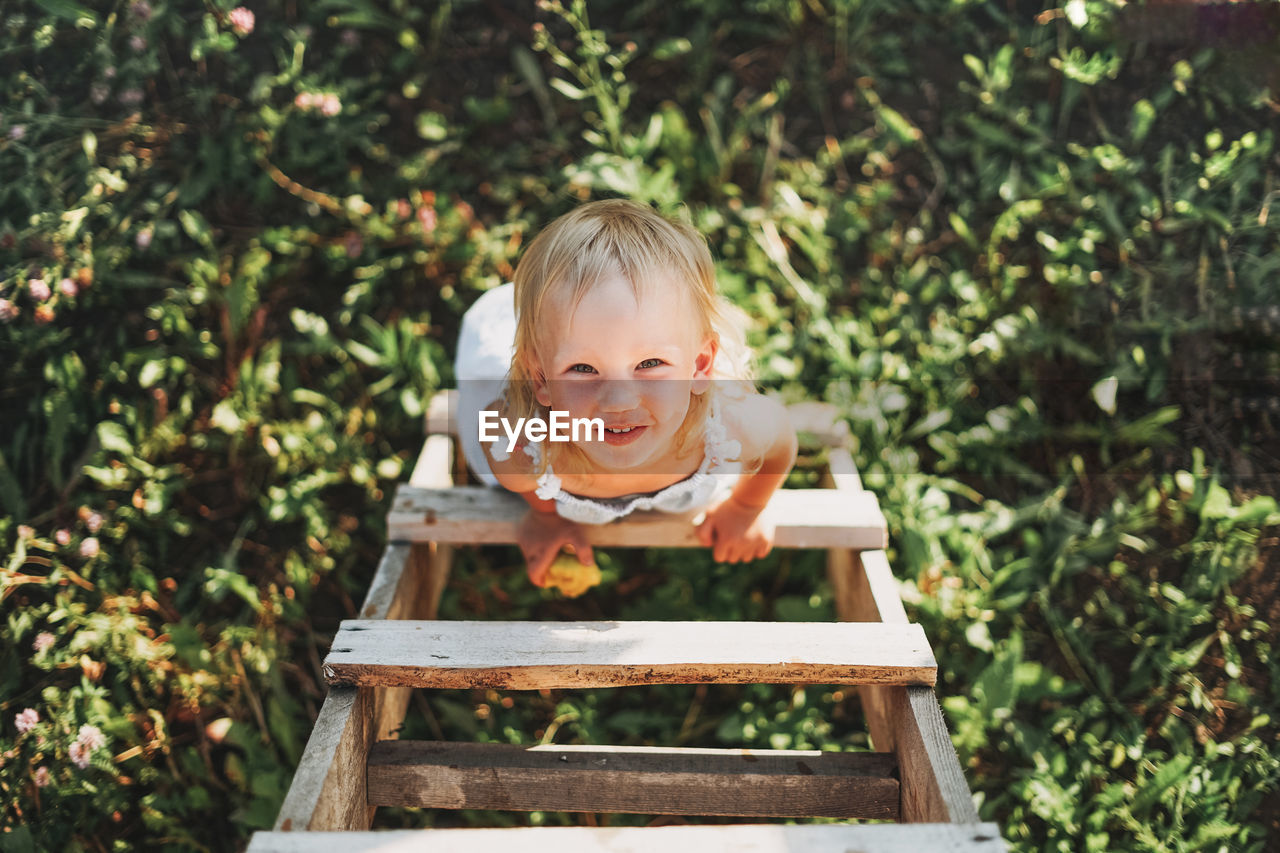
column 62, row 536
column 26, row 531
column 241, row 20
column 140, row 10
column 143, row 239
column 44, row 640
column 79, row 754
column 137, row 43
column 26, row 720
column 91, row 737
column 8, row 311
column 42, row 776
column 93, row 521
column 427, row 219
column 304, row 100
column 330, row 105
column 67, row 287
column 39, row 290
column 17, row 132
column 89, row 548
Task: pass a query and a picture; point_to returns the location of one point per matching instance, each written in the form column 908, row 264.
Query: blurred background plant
column 1027, row 249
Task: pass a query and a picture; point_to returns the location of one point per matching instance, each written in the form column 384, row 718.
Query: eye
column 581, row 368
column 650, row 362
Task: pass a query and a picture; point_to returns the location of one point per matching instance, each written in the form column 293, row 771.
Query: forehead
column 615, row 309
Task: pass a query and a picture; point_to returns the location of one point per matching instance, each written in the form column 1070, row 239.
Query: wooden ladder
column 353, row 762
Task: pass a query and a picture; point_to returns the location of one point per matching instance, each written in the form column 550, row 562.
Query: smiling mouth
column 617, row 436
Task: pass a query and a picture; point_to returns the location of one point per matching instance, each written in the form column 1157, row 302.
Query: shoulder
column 759, row 422
column 515, row 473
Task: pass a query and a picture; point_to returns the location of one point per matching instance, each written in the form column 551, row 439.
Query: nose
column 618, row 395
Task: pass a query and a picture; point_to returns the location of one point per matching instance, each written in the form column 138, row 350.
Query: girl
column 614, row 315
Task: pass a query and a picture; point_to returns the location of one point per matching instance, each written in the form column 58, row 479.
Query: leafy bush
column 1028, row 251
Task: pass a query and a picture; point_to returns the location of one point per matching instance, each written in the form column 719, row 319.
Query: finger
column 704, row 533
column 582, row 548
column 538, row 564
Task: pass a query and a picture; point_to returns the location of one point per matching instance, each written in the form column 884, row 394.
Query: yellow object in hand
column 571, row 577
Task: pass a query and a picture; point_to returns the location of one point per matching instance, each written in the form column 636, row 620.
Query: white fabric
column 486, row 342
column 718, row 472
column 485, row 346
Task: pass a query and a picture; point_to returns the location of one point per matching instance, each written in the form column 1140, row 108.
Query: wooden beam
column 328, row 790
column 805, row 518
column 536, row 655
column 828, row 838
column 644, row 780
column 933, row 786
column 442, row 413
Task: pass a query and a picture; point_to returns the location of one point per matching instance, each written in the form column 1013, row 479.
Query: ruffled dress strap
column 692, row 493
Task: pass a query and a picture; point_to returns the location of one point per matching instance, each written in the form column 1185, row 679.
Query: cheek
column 670, row 399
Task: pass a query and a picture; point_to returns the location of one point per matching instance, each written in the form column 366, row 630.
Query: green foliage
column 1028, row 252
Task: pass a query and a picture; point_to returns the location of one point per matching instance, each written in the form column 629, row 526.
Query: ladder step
column 536, row 655
column 645, row 780
column 805, row 518
column 828, row 838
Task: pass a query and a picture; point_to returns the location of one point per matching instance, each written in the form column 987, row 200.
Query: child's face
column 632, row 361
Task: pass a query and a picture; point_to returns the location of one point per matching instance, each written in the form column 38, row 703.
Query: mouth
column 618, row 436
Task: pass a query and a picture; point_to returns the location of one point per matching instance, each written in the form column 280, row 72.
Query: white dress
column 485, row 347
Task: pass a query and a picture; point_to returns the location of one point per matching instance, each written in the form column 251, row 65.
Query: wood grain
column 743, row 783
column 933, row 786
column 537, row 655
column 328, row 790
column 829, row 838
column 805, row 518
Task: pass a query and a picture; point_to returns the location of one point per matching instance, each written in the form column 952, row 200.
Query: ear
column 541, row 392
column 704, row 365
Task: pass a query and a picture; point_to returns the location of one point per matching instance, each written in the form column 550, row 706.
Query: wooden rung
column 645, row 780
column 805, row 518
column 536, row 655
column 828, row 838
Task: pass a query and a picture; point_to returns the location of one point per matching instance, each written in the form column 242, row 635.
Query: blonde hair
column 620, row 237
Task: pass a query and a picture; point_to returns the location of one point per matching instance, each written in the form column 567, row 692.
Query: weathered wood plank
column 841, row 472
column 441, row 418
column 861, row 596
column 434, row 468
column 933, row 786
column 328, row 790
column 828, row 838
column 535, row 655
column 741, row 783
column 907, row 721
column 805, row 518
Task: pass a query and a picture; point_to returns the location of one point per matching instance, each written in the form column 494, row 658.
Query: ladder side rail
column 905, row 720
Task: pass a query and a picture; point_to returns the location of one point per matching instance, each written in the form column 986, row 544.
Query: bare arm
column 735, row 529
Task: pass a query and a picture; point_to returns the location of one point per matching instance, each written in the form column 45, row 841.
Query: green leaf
column 196, row 227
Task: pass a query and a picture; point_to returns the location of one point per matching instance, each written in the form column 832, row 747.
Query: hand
column 735, row 532
column 542, row 535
